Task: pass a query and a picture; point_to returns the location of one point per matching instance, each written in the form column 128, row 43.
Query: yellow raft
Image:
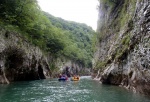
column 75, row 78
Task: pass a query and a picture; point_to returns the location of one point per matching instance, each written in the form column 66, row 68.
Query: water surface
column 85, row 90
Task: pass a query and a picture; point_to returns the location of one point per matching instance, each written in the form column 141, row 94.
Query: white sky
column 82, row 11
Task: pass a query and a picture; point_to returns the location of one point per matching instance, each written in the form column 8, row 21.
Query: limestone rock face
column 124, row 48
column 71, row 68
column 19, row 60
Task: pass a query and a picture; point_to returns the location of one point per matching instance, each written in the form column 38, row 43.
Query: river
column 51, row 90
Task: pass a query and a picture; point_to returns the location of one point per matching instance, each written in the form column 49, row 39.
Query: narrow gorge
column 35, row 45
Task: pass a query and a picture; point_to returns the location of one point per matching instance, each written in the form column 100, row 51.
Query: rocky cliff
column 123, row 55
column 19, row 60
column 63, row 65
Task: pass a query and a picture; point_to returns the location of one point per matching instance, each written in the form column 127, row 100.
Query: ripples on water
column 85, row 90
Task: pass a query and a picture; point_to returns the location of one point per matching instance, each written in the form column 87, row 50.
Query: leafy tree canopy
column 53, row 35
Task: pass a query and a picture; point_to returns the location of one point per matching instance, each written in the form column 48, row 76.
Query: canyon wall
column 19, row 60
column 123, row 55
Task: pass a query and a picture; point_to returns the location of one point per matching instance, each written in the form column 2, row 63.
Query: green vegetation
column 125, row 40
column 122, row 51
column 100, row 65
column 109, row 2
column 79, row 41
column 53, row 35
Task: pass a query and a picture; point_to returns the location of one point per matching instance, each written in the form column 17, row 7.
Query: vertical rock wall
column 19, row 60
column 124, row 44
column 66, row 66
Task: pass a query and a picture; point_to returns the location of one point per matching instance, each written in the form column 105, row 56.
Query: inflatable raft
column 63, row 79
column 75, row 78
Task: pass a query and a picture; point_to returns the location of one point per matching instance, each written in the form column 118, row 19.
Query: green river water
column 51, row 90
